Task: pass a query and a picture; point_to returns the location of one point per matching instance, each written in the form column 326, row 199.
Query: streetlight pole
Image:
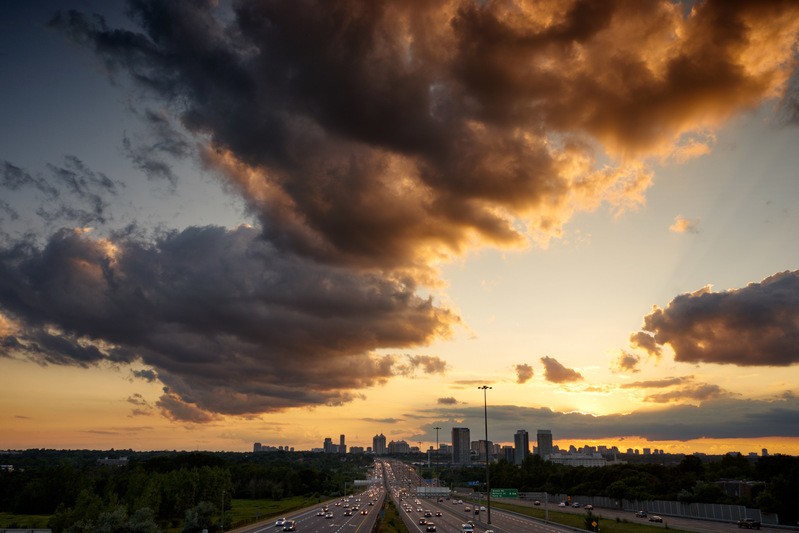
column 485, row 388
column 438, row 449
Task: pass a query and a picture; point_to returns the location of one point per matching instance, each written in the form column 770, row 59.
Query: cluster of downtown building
column 464, row 451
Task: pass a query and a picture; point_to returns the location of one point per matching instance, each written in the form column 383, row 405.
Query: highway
column 449, row 516
column 309, row 521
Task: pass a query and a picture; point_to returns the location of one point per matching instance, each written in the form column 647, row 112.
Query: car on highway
column 562, row 504
column 589, row 507
column 329, row 515
column 430, row 526
column 348, row 513
column 537, row 502
column 320, row 513
column 576, row 505
column 640, row 514
column 655, row 518
column 438, row 513
column 280, row 522
column 364, row 511
column 428, row 513
column 467, row 509
column 290, row 525
column 422, row 521
column 467, row 528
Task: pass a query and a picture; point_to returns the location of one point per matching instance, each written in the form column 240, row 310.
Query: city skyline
column 233, row 222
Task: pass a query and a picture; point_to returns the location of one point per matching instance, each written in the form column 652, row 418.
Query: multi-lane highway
column 451, row 515
column 356, row 514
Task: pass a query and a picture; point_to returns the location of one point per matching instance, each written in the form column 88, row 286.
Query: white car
column 280, row 522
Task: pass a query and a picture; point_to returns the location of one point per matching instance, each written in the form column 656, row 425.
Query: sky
column 233, row 222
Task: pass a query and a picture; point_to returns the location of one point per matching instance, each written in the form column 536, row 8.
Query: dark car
column 431, row 526
column 290, row 525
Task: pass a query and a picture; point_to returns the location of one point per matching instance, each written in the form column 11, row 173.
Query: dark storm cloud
column 381, row 133
column 524, row 373
column 447, row 401
column 228, row 324
column 757, row 325
column 715, row 418
column 555, row 372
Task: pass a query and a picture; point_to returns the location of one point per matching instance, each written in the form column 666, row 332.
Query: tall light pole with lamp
column 485, row 388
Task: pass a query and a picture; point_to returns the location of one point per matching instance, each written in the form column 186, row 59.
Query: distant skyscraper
column 509, row 453
column 328, row 445
column 461, row 446
column 521, row 443
column 379, row 444
column 342, row 448
column 544, row 439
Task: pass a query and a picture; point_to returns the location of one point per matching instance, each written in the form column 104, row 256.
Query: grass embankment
column 605, row 525
column 391, row 522
column 23, row 521
column 254, row 510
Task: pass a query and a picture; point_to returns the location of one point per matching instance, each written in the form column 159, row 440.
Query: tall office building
column 379, row 444
column 544, row 438
column 521, row 443
column 461, row 446
column 342, row 448
column 328, row 445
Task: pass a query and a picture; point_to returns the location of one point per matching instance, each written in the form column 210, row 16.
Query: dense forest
column 159, row 490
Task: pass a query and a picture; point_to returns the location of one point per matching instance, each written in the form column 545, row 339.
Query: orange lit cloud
column 756, row 325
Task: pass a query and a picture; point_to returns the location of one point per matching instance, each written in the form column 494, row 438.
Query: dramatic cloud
column 757, row 325
column 146, row 375
column 557, row 373
column 389, row 133
column 685, row 225
column 447, row 401
column 371, row 141
column 225, row 321
column 719, row 418
column 524, row 373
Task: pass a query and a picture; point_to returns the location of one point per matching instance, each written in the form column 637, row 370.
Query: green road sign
column 504, row 493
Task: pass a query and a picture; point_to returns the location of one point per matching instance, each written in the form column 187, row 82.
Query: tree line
column 159, row 490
